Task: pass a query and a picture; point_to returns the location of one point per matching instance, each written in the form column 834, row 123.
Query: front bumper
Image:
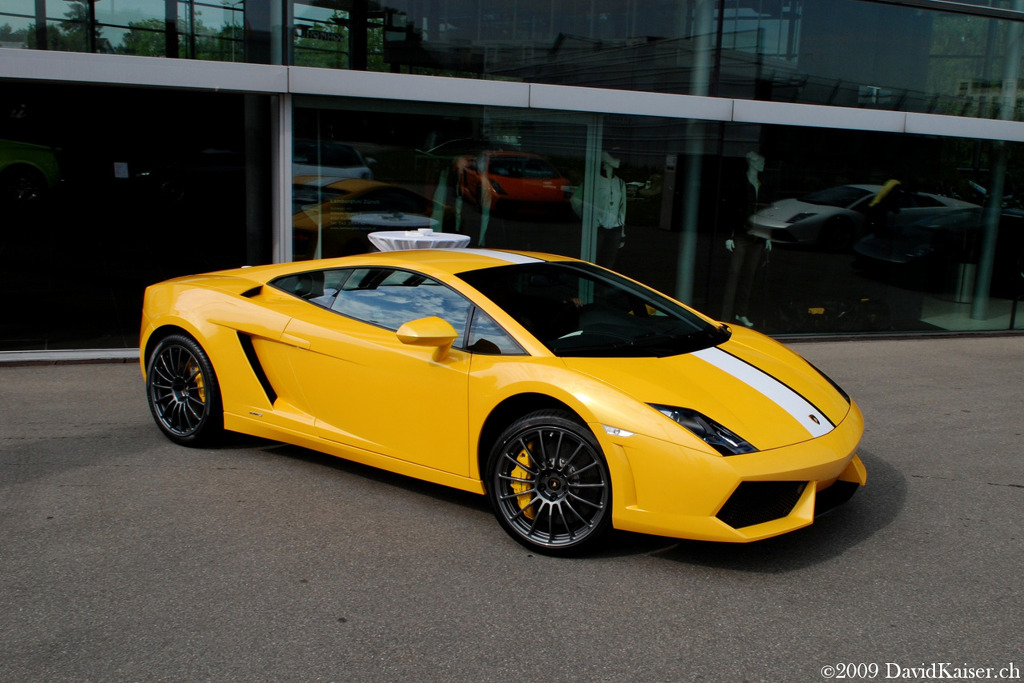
column 680, row 493
column 781, row 232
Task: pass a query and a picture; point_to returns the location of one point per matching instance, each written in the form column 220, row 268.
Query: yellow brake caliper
column 523, row 487
column 200, row 382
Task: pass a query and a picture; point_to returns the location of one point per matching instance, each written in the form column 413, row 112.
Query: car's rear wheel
column 549, row 485
column 184, row 395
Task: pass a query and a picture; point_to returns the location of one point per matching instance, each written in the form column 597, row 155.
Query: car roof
column 435, row 262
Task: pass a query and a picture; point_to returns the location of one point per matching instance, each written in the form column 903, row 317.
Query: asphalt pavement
column 126, row 558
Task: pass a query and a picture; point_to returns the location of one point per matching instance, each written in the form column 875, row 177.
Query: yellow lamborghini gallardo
column 574, row 398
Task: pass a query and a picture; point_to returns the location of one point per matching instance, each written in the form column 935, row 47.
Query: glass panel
column 322, row 34
column 391, row 298
column 868, row 232
column 127, row 192
column 211, row 30
column 17, row 24
column 839, row 52
column 503, row 178
column 579, row 310
column 836, row 52
column 486, row 336
column 72, row 34
column 842, row 231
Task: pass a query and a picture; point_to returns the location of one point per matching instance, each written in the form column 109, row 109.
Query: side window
column 303, row 285
column 390, row 298
column 486, row 336
column 317, row 286
column 925, row 200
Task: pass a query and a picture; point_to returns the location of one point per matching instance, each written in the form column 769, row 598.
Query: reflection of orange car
column 345, row 211
column 512, row 180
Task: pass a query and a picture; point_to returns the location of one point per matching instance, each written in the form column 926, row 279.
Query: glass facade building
column 835, row 167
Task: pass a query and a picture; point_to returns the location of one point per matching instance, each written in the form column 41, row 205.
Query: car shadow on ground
column 832, row 534
column 436, row 491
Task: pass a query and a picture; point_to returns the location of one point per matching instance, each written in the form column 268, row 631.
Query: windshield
column 841, row 197
column 578, row 309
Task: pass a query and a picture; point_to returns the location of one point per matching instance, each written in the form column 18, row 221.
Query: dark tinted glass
column 577, row 309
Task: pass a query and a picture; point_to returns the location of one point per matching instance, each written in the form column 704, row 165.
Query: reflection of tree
column 9, row 35
column 148, row 38
column 225, row 45
column 74, row 33
column 145, row 38
column 962, row 64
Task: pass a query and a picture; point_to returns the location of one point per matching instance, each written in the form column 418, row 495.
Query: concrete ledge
column 157, row 72
column 10, row 358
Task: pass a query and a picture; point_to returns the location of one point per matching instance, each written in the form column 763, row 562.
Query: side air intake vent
column 257, row 367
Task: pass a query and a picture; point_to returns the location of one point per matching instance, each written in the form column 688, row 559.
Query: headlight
column 498, row 189
column 713, row 434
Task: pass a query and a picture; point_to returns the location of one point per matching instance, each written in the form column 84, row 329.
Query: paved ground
column 124, row 557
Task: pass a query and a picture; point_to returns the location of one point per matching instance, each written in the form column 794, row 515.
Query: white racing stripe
column 506, row 256
column 793, row 403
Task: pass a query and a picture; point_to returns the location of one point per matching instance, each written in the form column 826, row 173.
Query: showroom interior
column 831, row 168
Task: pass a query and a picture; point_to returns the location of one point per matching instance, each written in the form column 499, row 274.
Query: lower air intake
column 756, row 502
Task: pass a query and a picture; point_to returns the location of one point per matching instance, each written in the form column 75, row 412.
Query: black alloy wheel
column 183, row 392
column 548, row 484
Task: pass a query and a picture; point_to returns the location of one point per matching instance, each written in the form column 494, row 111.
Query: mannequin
column 747, row 251
column 609, row 210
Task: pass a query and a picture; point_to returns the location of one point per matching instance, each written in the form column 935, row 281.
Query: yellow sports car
column 576, row 399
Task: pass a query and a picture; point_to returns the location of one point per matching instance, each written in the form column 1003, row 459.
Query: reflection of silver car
column 832, row 218
column 334, row 159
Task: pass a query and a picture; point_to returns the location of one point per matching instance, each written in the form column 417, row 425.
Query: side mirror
column 432, row 331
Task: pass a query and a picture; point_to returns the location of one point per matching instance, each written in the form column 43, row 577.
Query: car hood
column 759, row 390
column 781, row 211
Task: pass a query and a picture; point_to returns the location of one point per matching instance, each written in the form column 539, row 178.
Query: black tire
column 183, row 392
column 548, row 484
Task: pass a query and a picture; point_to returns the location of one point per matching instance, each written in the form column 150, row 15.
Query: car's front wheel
column 549, row 485
column 183, row 392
